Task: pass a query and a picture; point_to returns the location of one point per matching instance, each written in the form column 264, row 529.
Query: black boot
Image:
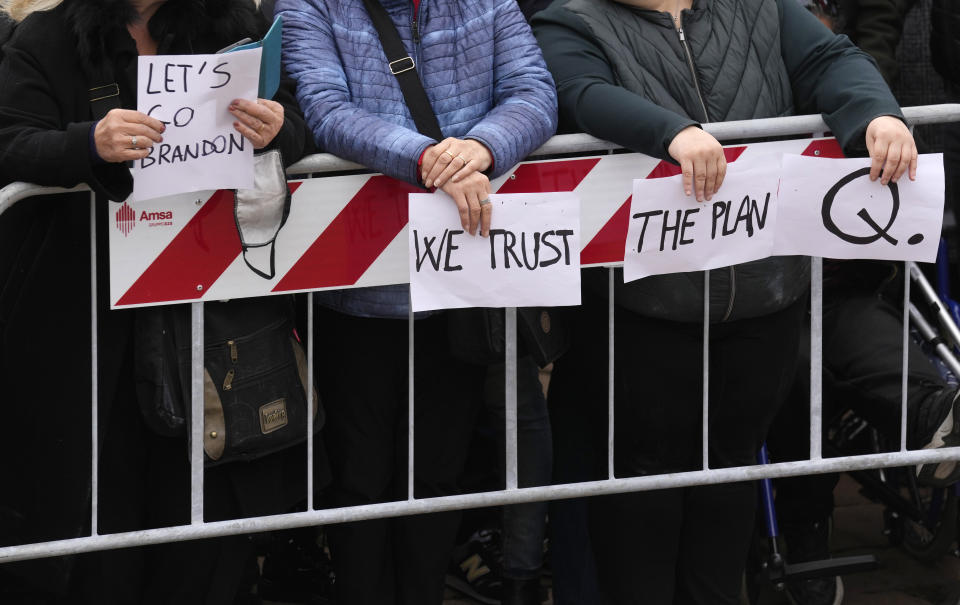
column 521, row 592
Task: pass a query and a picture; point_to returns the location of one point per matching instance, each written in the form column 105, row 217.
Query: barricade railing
column 577, row 144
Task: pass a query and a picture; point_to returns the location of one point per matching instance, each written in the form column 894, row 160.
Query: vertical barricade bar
column 410, row 394
column 816, row 357
column 706, row 371
column 611, row 308
column 94, row 376
column 196, row 413
column 510, row 382
column 906, row 357
column 310, row 396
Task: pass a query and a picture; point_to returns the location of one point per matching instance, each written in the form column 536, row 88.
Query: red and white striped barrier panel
column 350, row 231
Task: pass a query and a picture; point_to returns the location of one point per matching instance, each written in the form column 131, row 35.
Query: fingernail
column 428, row 184
column 163, row 127
column 236, row 125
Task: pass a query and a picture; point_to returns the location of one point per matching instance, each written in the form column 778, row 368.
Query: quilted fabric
column 478, row 61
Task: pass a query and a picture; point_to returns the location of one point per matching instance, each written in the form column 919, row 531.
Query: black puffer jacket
column 945, row 39
column 624, row 75
column 45, row 336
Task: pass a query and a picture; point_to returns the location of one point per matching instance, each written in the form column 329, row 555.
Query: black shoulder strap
column 403, row 67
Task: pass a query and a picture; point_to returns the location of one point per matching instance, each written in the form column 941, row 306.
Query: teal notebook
column 269, row 60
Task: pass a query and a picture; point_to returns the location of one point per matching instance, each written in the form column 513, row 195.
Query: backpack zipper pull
column 233, row 350
column 228, row 380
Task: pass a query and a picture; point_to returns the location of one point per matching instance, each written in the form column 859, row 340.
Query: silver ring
column 485, row 201
column 133, row 141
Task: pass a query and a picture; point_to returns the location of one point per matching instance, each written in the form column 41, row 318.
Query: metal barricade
column 512, row 494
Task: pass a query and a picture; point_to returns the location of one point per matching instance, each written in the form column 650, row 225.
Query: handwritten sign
column 531, row 258
column 670, row 232
column 190, row 94
column 829, row 207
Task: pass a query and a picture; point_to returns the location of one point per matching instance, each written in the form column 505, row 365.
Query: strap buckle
column 99, row 93
column 406, row 64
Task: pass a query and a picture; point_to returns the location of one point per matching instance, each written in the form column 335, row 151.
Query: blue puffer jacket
column 479, row 64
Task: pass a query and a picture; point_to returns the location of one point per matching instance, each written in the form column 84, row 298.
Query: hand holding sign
column 259, row 120
column 124, row 135
column 468, row 194
column 702, row 161
column 892, row 150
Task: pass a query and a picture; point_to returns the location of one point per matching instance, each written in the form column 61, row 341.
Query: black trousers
column 862, row 364
column 687, row 545
column 362, row 371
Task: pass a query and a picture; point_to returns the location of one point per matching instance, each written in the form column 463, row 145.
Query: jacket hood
column 97, row 22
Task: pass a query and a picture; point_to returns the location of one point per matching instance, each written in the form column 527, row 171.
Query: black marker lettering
column 536, row 250
column 428, row 244
column 668, row 228
column 719, row 209
column 180, row 120
column 217, row 71
column 566, row 245
column 687, row 223
column 543, row 239
column 450, row 248
column 643, row 230
column 150, row 80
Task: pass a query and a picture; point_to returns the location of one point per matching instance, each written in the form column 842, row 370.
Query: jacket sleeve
column 340, row 126
column 524, row 114
column 831, row 75
column 35, row 145
column 590, row 100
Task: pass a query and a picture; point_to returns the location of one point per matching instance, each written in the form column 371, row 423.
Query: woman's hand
column 892, row 150
column 124, row 135
column 472, row 196
column 453, row 160
column 701, row 158
column 259, row 121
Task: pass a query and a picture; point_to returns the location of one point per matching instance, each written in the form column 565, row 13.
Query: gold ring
column 464, row 160
column 133, row 141
column 448, row 153
column 260, row 127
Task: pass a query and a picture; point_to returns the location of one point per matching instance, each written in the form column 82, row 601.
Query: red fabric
column 416, row 6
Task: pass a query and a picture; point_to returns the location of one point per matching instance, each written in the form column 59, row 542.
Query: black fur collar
column 97, row 22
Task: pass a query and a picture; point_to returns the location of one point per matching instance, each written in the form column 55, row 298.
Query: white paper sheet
column 829, row 207
column 200, row 148
column 532, row 257
column 670, row 232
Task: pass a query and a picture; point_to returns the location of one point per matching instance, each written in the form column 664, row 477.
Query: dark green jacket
column 624, row 76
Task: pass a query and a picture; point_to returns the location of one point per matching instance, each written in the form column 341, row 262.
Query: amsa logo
column 127, row 218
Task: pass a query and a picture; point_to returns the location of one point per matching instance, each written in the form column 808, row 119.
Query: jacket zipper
column 706, row 118
column 693, row 71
